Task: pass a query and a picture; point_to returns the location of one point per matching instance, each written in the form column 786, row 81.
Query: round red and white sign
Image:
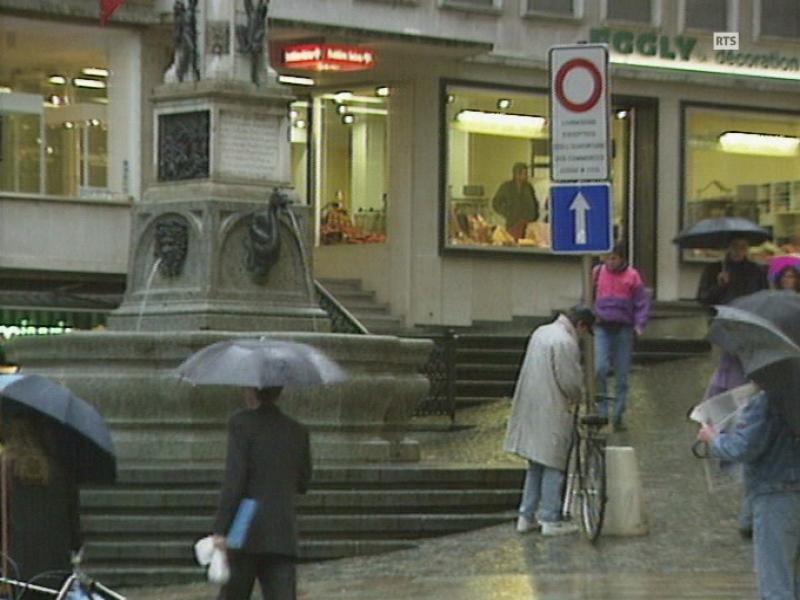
column 578, row 85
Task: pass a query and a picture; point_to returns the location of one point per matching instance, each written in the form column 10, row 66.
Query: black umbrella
column 260, row 363
column 716, row 234
column 95, row 458
column 763, row 331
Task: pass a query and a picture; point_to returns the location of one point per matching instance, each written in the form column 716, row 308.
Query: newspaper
column 721, row 412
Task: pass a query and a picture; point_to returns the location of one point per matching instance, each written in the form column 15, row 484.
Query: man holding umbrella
column 736, row 275
column 763, row 331
column 268, row 459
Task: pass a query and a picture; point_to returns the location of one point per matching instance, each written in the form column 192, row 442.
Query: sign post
column 581, row 211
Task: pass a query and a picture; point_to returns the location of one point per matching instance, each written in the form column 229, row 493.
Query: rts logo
column 726, row 40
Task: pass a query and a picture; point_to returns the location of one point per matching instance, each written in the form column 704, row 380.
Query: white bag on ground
column 217, row 561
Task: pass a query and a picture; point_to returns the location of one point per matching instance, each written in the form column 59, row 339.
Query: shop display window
column 497, row 169
column 350, row 130
column 743, row 163
column 53, row 123
column 20, row 150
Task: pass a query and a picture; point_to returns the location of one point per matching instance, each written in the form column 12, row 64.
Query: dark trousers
column 275, row 574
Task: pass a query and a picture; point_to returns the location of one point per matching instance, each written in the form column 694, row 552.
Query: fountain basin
column 129, row 377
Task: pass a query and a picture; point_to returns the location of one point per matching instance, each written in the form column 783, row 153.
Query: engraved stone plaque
column 249, row 145
column 183, row 145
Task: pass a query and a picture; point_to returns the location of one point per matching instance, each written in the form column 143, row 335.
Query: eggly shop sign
column 327, row 57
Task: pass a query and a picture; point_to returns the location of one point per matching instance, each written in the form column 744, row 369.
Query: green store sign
column 647, row 43
column 684, row 49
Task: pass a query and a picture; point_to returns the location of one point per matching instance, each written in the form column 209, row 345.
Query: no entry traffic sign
column 579, row 113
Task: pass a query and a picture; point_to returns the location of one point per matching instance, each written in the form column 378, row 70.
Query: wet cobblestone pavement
column 693, row 549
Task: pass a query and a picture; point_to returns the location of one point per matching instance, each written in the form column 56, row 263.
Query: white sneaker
column 559, row 528
column 525, row 525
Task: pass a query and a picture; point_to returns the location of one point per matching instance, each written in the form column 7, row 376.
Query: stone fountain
column 218, row 251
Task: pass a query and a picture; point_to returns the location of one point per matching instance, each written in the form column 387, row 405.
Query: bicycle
column 586, row 472
column 76, row 586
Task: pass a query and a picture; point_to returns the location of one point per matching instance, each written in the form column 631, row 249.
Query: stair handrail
column 342, row 320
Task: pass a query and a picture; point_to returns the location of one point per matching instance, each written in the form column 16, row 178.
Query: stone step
column 204, row 502
column 382, row 324
column 363, row 526
column 180, row 552
column 472, row 401
column 347, row 296
column 341, row 284
column 495, row 372
column 495, row 388
column 492, row 342
column 492, row 356
column 366, row 312
column 360, row 477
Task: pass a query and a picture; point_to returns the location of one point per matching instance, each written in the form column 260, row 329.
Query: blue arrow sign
column 581, row 218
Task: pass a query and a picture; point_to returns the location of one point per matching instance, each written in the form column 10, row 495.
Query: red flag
column 107, row 8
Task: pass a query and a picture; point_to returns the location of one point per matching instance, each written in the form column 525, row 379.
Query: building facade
column 409, row 117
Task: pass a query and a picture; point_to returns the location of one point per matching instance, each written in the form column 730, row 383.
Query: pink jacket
column 620, row 297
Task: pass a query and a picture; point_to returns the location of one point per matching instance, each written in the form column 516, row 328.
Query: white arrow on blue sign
column 581, row 219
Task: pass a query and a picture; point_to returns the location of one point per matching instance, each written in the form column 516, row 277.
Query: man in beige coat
column 540, row 427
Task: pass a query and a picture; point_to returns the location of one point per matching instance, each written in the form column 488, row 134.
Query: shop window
column 557, row 8
column 780, row 18
column 710, row 15
column 497, row 169
column 300, row 118
column 743, row 164
column 634, row 11
column 21, row 151
column 351, row 165
column 54, row 133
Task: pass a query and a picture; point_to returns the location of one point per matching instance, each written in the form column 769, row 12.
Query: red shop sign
column 326, row 57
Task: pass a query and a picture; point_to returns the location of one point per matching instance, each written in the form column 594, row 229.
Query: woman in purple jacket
column 622, row 306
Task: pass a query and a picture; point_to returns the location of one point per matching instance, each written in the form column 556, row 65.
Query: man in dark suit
column 269, row 461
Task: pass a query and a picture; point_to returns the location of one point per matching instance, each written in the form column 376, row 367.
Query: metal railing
column 441, row 372
column 342, row 320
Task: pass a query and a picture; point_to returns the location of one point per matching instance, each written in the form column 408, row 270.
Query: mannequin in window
column 516, row 201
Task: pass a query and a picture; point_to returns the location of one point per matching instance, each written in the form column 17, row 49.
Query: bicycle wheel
column 593, row 487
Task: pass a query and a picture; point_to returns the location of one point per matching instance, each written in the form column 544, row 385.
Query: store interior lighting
column 477, row 121
column 89, row 83
column 503, row 104
column 740, row 142
column 621, row 114
column 340, row 97
column 295, row 80
column 95, row 72
column 57, row 80
column 382, row 91
column 348, row 119
column 5, row 89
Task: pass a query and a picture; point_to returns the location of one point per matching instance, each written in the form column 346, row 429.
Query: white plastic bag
column 207, row 554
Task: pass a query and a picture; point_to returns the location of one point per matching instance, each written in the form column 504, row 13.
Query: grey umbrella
column 763, row 331
column 261, row 364
column 717, row 233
